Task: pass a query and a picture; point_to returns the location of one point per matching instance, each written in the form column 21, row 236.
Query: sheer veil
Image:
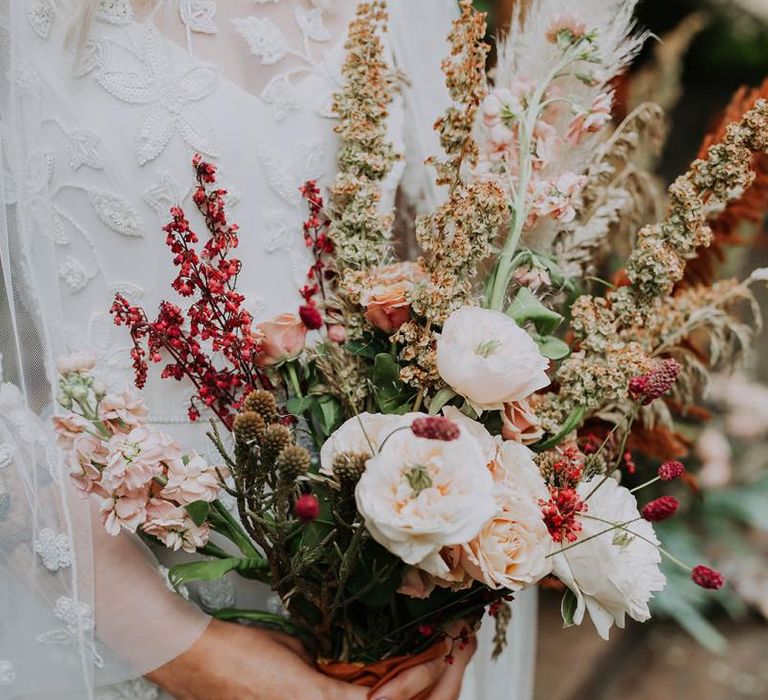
column 69, row 593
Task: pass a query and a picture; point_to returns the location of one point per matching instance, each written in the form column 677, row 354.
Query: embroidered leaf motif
column 84, row 149
column 264, row 38
column 281, row 95
column 6, row 454
column 156, row 129
column 311, row 23
column 132, row 87
column 48, row 220
column 117, row 12
column 116, row 212
column 93, row 56
column 164, row 194
column 41, row 14
column 198, row 15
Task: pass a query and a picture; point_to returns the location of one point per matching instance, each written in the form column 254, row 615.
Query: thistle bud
column 348, row 467
column 249, row 427
column 276, row 438
column 263, row 403
column 293, row 462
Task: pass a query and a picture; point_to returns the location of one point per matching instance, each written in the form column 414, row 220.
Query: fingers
column 336, row 690
column 413, row 681
column 449, row 685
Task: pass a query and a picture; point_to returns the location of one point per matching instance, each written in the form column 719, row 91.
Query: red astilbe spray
column 320, row 273
column 215, row 318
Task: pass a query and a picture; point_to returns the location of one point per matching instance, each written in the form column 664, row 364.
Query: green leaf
column 568, row 606
column 525, row 308
column 252, row 568
column 552, row 347
column 327, row 412
column 571, row 423
column 363, row 349
column 299, row 405
column 198, row 511
column 441, row 398
column 391, row 394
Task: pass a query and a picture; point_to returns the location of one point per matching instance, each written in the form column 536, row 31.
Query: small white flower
column 488, row 359
column 616, row 573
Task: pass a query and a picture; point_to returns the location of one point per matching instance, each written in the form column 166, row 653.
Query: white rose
column 360, row 434
column 614, row 574
column 418, row 496
column 488, row 359
column 82, row 361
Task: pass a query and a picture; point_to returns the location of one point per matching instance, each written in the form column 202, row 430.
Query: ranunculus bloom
column 81, row 361
column 172, row 525
column 488, row 359
column 613, row 574
column 136, row 458
column 418, row 496
column 364, row 433
column 520, row 423
column 122, row 411
column 191, row 479
column 386, row 295
column 281, row 339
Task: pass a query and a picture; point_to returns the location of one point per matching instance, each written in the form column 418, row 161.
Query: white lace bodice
column 117, row 127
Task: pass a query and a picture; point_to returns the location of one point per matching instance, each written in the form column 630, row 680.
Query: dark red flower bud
column 307, row 508
column 707, row 578
column 651, row 386
column 660, row 509
column 311, row 316
column 669, row 471
column 435, row 428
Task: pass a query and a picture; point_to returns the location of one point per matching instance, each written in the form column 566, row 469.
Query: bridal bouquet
column 421, row 441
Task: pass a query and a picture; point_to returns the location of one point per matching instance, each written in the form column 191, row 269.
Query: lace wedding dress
column 98, row 131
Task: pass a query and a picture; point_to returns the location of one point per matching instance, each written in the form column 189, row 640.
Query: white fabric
column 97, row 148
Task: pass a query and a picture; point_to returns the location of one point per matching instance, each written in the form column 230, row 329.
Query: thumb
column 337, row 690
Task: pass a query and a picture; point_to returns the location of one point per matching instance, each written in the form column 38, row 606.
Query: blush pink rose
column 520, row 423
column 281, row 339
column 387, row 295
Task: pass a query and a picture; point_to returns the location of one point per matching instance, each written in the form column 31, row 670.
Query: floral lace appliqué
column 169, row 93
column 77, row 620
column 137, row 689
column 53, row 549
column 7, row 673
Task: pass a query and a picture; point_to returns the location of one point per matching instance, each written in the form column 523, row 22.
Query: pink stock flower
column 136, row 458
column 122, row 410
column 567, row 26
column 172, row 525
column 67, row 428
column 592, row 120
column 191, row 479
column 127, row 512
column 87, row 479
column 281, row 339
column 532, row 277
column 547, row 144
column 555, row 199
column 81, row 361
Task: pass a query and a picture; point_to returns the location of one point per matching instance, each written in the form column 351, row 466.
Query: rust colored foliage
column 750, row 208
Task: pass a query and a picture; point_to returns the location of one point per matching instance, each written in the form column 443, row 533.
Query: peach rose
column 520, row 423
column 281, row 339
column 387, row 295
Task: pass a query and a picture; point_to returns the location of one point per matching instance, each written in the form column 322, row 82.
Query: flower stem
column 614, row 526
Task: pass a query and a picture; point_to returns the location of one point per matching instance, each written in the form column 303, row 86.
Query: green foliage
column 252, row 568
column 573, row 421
column 390, row 393
column 198, row 511
column 568, row 607
column 526, row 308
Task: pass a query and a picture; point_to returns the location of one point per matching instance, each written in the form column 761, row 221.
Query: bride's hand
column 234, row 662
column 444, row 679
